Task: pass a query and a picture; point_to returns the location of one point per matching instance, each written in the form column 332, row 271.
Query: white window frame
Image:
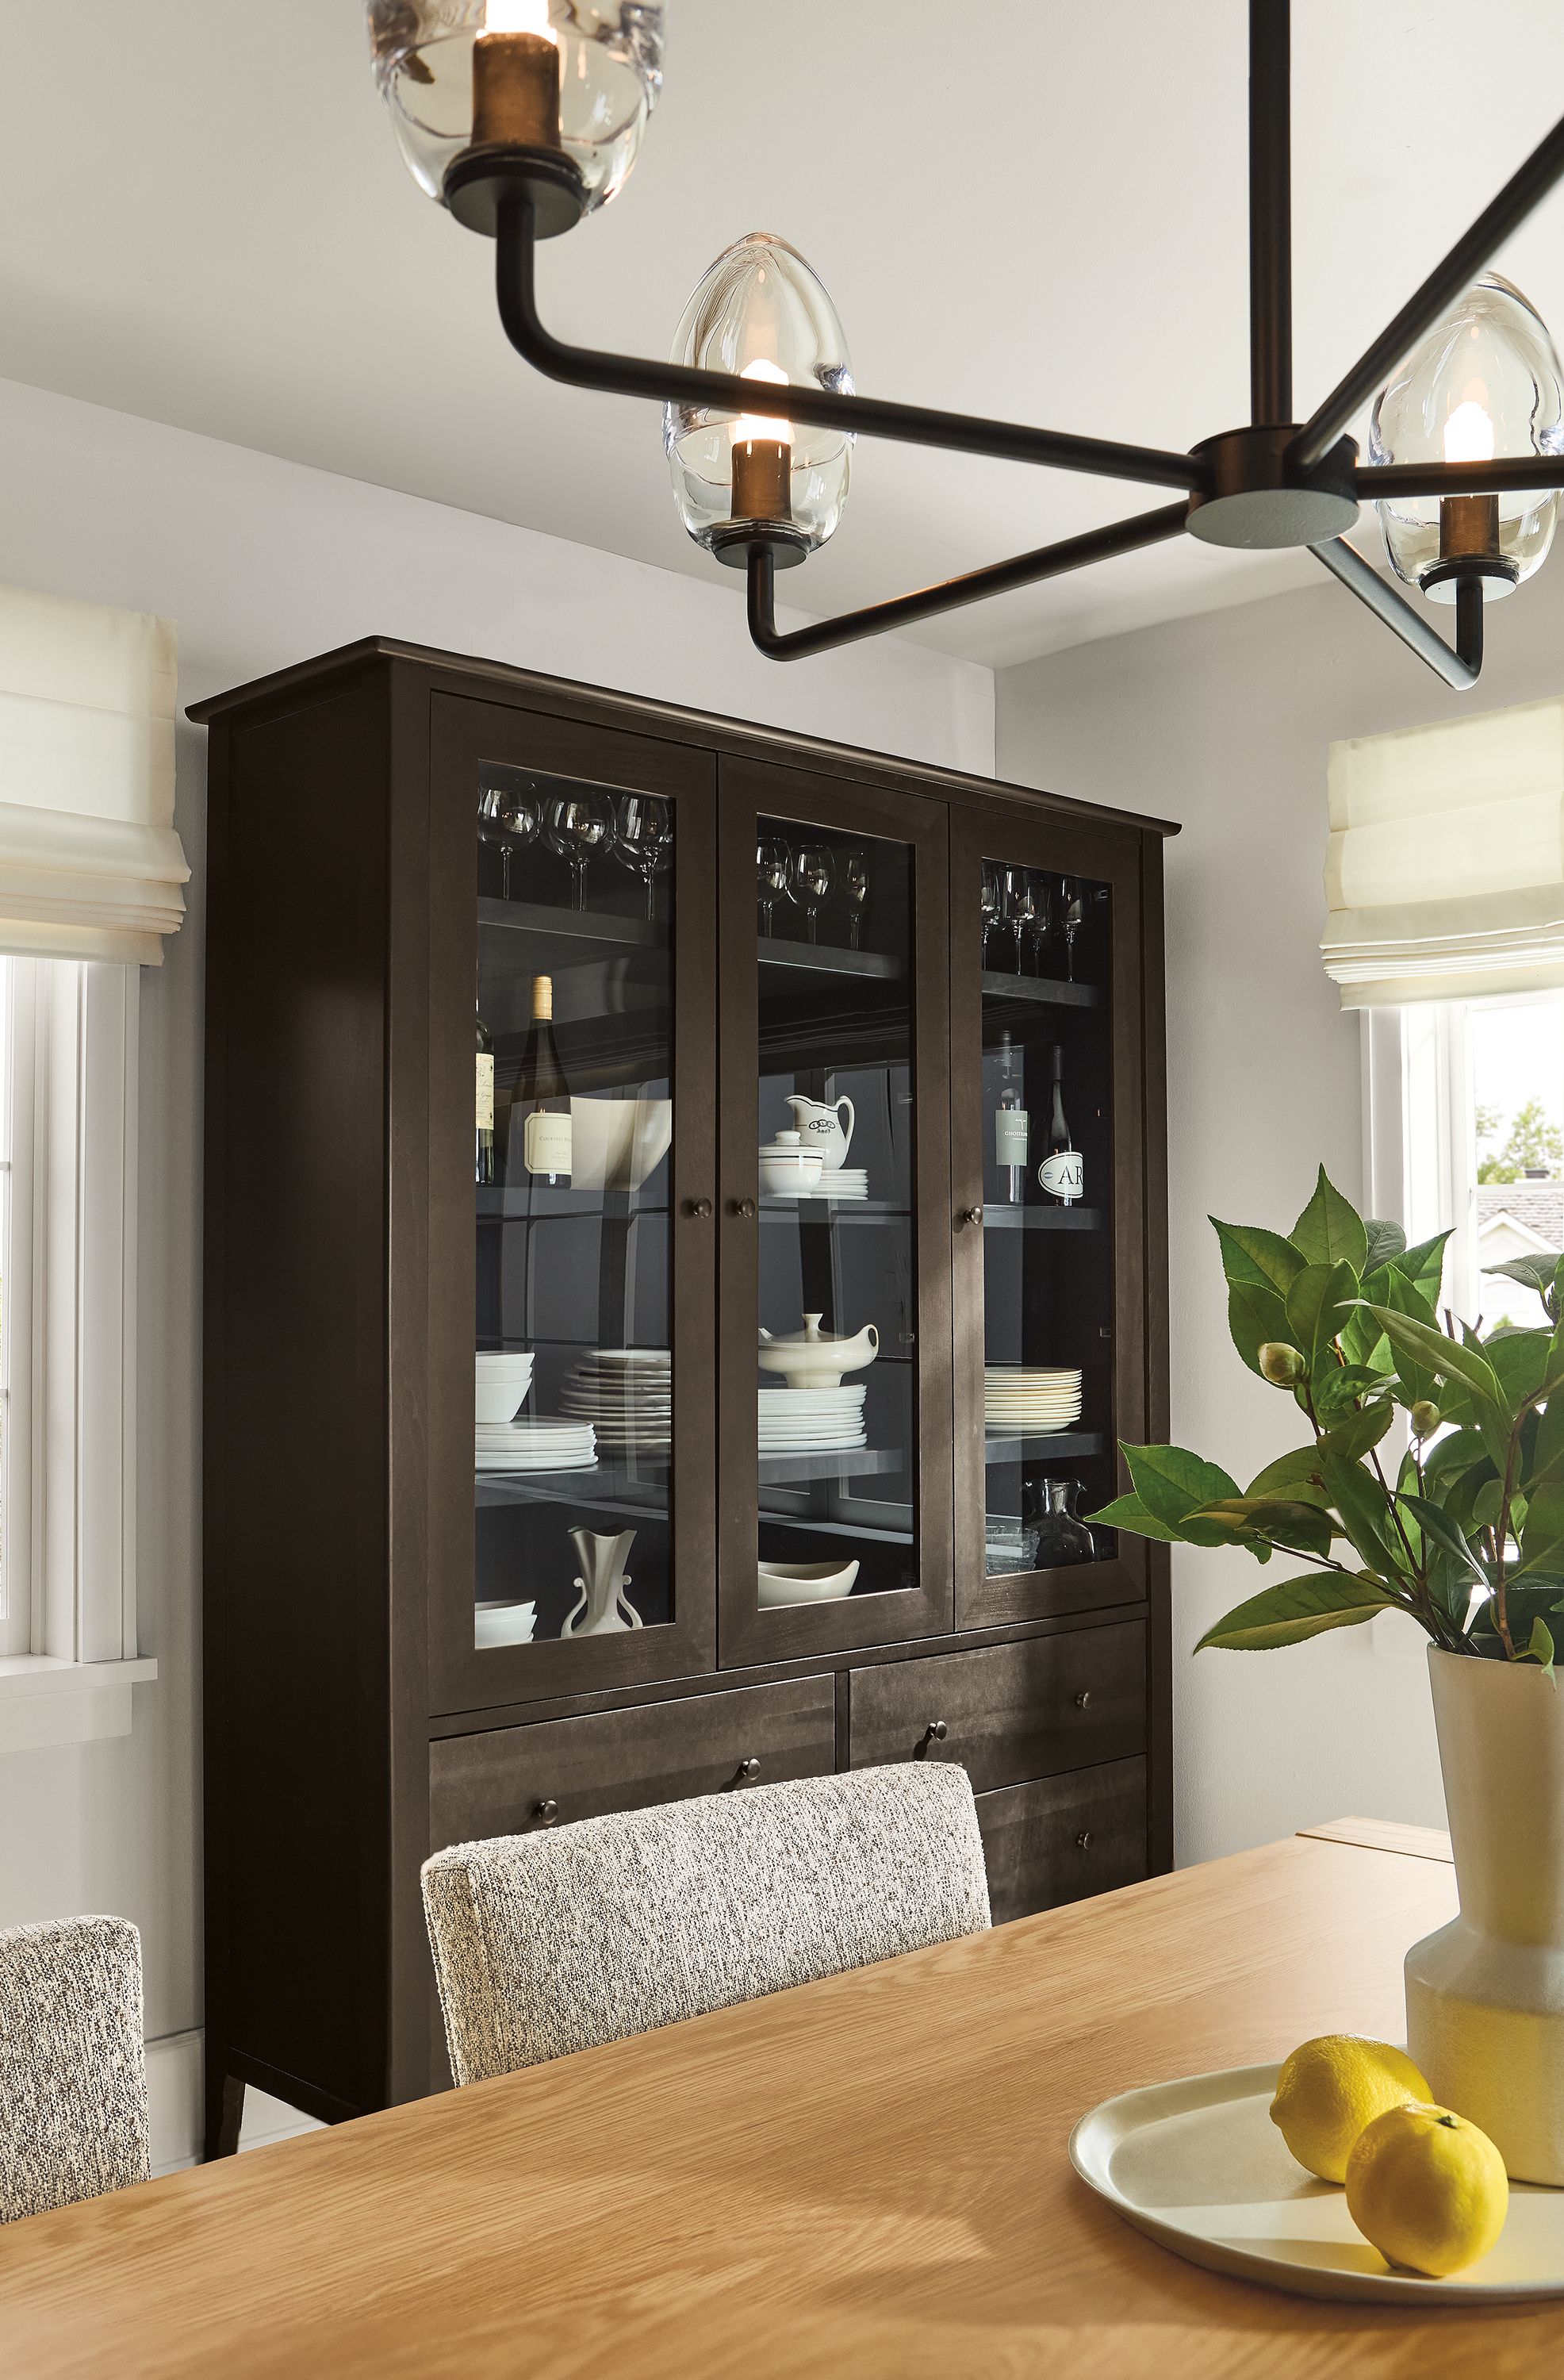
column 68, row 1647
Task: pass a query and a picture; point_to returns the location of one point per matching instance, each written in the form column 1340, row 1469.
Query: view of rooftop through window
column 1516, row 1076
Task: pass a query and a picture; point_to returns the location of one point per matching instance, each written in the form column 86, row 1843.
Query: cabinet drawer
column 492, row 1784
column 1063, row 1838
column 1011, row 1711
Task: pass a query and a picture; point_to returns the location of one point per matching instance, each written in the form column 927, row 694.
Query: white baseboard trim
column 174, row 2097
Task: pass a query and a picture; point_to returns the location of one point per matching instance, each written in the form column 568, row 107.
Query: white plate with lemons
column 1199, row 2165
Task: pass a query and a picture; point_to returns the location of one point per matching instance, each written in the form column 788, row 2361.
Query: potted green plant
column 1430, row 1482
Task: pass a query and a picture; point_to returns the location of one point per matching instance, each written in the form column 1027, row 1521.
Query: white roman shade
column 1444, row 874
column 90, row 865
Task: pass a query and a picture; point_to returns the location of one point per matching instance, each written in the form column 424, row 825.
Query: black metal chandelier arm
column 901, row 611
column 667, row 383
column 1438, row 293
column 1459, row 665
column 1506, row 474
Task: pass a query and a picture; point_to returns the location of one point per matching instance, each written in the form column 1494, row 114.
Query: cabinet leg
column 224, row 2114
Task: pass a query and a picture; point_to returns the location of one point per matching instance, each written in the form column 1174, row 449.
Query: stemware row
column 1039, row 912
column 807, row 876
column 635, row 829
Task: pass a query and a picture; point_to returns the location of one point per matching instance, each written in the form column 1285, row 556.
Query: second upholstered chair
column 73, row 2079
column 547, row 1943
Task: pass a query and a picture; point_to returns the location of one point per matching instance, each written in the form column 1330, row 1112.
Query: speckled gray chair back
column 550, row 1942
column 73, row 2071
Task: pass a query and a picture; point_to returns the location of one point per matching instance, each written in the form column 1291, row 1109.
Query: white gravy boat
column 812, row 1358
column 822, row 1128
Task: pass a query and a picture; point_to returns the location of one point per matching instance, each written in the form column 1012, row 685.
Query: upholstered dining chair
column 550, row 1942
column 73, row 2073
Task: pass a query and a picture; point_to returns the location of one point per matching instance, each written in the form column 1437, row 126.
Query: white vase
column 1486, row 1994
column 604, row 1608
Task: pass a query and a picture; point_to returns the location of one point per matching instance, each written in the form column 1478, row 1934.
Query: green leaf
column 1172, row 1484
column 1319, row 1304
column 1295, row 1609
column 1541, row 1645
column 1437, row 1354
column 1439, row 1530
column 1336, row 1388
column 1252, row 1255
column 1364, row 1512
column 1329, row 1231
column 1526, row 1602
column 1256, row 1317
column 1304, row 1528
column 1360, row 1433
column 1423, row 1265
column 1385, row 1241
column 1128, row 1512
column 1520, row 1360
column 1531, row 1272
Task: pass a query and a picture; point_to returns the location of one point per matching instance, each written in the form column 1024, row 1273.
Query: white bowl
column 779, row 1583
column 788, row 1173
column 504, row 1623
column 498, row 1401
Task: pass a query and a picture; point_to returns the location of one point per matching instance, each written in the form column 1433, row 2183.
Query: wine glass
column 856, row 885
column 577, row 826
column 1020, row 907
column 773, row 862
column 988, row 903
column 1042, row 921
column 507, row 822
column 813, row 875
column 1073, row 918
column 643, row 840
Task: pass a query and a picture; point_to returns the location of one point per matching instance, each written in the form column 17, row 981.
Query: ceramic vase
column 604, row 1610
column 1486, row 1994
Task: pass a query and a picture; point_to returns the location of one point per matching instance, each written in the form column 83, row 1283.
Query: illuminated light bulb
column 757, row 425
column 516, row 77
column 762, row 456
column 1468, row 432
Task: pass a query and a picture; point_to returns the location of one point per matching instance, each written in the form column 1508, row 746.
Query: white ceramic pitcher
column 822, row 1128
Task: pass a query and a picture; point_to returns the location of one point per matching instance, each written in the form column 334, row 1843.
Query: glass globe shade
column 761, row 313
column 611, row 74
column 1485, row 383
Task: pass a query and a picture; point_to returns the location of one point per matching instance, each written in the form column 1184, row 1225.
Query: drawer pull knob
column 546, row 1813
column 934, row 1732
column 745, row 1206
column 699, row 1207
column 973, row 1215
column 1083, row 1699
column 748, row 1771
column 1083, row 1839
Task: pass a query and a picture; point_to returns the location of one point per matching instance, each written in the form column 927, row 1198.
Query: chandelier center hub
column 1257, row 499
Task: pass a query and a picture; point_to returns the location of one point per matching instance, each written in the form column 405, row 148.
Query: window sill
column 44, row 1700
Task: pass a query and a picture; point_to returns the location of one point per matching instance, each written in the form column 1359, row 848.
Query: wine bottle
column 1010, row 1121
column 541, row 1102
column 1062, row 1172
column 483, row 1165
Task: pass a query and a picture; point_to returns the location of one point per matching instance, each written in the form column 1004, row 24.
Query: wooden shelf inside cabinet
column 1042, row 1219
column 1039, row 991
column 820, row 1211
column 579, row 933
column 852, row 1463
column 819, row 958
column 1026, row 1447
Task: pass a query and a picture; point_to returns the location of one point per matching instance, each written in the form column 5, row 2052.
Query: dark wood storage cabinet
column 952, row 991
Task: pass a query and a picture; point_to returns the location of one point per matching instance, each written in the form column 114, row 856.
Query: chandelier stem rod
column 1270, row 211
column 668, row 383
column 1506, row 474
column 998, row 579
column 1459, row 667
column 1447, row 281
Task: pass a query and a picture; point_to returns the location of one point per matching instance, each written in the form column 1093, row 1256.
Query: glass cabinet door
column 583, row 897
column 835, row 1458
column 1047, row 1165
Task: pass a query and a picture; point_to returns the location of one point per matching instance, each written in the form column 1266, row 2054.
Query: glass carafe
column 1054, row 1534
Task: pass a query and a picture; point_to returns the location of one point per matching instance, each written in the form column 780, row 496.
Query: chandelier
column 521, row 117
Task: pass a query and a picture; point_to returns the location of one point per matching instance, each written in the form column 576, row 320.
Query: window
column 68, row 1652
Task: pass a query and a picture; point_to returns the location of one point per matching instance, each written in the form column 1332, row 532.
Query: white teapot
column 822, row 1128
column 813, row 1358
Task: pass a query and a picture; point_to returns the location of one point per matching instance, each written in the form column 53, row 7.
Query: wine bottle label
column 485, row 1091
column 545, row 1145
column 1010, row 1136
column 1064, row 1176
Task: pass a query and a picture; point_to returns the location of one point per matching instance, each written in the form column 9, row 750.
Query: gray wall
column 1222, row 722
column 262, row 563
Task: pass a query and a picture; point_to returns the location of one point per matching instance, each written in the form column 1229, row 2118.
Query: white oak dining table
column 863, row 2176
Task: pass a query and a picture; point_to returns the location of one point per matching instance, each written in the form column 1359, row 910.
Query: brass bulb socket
column 1469, row 528
column 763, row 479
column 516, row 91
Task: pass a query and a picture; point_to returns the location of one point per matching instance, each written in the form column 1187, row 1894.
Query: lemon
column 1331, row 2088
column 1428, row 2187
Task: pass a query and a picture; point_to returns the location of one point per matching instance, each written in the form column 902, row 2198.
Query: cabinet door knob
column 971, row 1215
column 1084, row 1698
column 934, row 1732
column 546, row 1813
column 745, row 1206
column 1083, row 1839
column 748, row 1771
column 699, row 1207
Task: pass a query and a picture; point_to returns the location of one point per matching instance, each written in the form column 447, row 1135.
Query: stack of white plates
column 1021, row 1400
column 811, row 1421
column 626, row 1393
column 847, row 1181
column 533, row 1445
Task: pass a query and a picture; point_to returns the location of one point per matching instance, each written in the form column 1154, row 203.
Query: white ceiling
column 1024, row 207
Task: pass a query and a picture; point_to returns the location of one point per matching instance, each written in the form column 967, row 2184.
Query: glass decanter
column 1054, row 1533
